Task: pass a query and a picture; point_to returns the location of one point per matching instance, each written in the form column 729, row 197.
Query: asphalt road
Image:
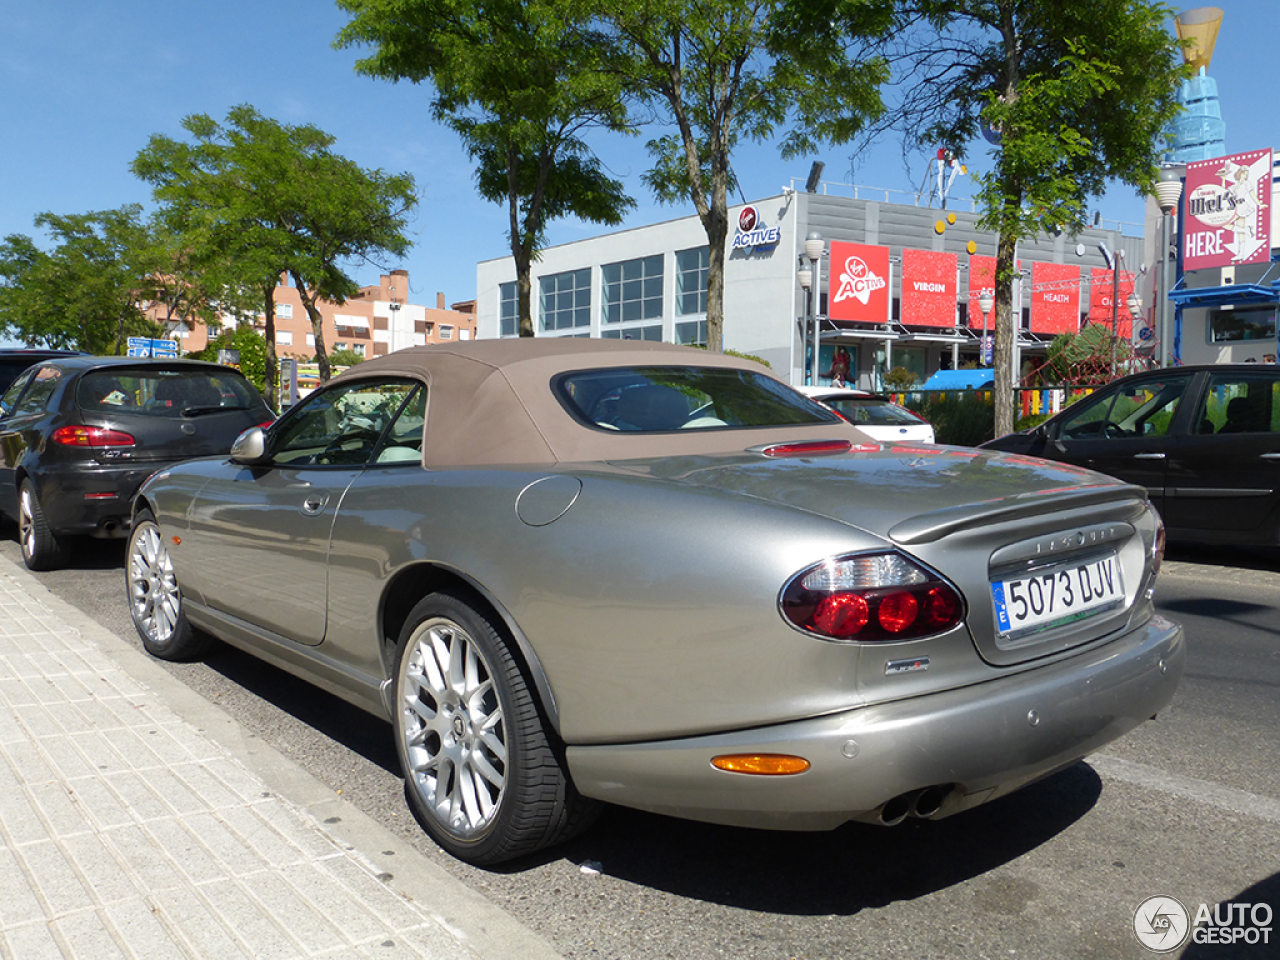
column 1187, row 806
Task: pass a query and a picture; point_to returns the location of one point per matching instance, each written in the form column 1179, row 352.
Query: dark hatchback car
column 1203, row 440
column 79, row 434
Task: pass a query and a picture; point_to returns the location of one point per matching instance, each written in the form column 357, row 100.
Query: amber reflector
column 763, row 764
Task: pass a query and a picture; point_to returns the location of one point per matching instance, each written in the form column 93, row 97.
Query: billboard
column 1226, row 215
column 928, row 288
column 858, row 288
column 1055, row 298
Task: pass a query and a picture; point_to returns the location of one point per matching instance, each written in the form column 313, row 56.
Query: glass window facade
column 508, row 311
column 564, row 301
column 691, row 295
column 632, row 290
column 691, row 281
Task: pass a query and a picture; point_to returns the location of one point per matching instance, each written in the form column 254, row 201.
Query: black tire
column 482, row 774
column 41, row 548
column 155, row 598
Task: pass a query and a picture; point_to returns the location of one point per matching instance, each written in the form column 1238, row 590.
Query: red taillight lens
column 841, row 615
column 91, row 437
column 871, row 597
column 898, row 612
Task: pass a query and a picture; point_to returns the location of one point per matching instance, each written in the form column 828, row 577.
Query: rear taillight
column 873, row 597
column 91, row 437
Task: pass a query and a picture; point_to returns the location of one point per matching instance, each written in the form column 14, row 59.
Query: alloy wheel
column 453, row 728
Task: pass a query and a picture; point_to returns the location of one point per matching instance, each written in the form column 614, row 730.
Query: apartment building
column 378, row 320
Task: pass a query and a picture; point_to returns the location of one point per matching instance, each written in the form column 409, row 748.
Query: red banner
column 1227, row 206
column 928, row 288
column 1055, row 298
column 1101, row 282
column 859, row 285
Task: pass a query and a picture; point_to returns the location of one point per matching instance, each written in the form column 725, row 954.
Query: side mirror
column 250, row 447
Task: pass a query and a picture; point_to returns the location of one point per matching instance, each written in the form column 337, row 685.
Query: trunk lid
column 979, row 519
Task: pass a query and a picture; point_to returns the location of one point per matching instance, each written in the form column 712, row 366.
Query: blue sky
column 83, row 85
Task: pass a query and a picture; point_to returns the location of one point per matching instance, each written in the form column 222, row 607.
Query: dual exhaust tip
column 923, row 804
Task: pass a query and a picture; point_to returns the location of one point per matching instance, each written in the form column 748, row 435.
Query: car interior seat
column 652, row 407
column 1240, row 418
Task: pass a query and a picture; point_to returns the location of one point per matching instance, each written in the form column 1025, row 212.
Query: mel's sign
column 750, row 232
column 1227, row 215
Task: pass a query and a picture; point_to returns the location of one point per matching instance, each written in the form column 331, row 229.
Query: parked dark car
column 79, row 434
column 1203, row 440
column 13, row 360
column 571, row 571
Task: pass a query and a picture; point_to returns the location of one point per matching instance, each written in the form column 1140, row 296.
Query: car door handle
column 314, row 504
column 1148, row 456
column 1269, row 456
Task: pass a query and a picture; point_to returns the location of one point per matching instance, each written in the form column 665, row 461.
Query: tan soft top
column 491, row 402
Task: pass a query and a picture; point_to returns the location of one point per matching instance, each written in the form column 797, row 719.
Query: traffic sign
column 144, row 347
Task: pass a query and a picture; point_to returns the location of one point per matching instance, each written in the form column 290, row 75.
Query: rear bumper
column 977, row 742
column 79, row 499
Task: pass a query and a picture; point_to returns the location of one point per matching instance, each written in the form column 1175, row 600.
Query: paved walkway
column 137, row 821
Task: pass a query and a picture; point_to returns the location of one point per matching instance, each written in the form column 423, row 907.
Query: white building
column 650, row 283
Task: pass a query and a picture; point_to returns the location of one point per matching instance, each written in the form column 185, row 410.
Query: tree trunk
column 524, row 290
column 1007, row 322
column 317, row 325
column 271, row 375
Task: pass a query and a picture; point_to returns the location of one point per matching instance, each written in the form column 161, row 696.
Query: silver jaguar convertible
column 574, row 571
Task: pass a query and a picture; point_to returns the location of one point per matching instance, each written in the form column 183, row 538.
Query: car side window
column 1240, row 403
column 11, row 395
column 41, row 386
column 339, row 426
column 403, row 442
column 1145, row 409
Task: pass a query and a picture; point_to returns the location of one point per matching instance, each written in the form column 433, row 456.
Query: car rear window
column 164, row 393
column 871, row 410
column 655, row 399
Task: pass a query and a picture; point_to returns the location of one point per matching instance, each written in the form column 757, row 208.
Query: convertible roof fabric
column 491, row 402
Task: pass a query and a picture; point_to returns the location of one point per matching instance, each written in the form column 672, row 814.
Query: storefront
column 894, row 285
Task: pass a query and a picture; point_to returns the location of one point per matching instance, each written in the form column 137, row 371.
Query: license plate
column 1057, row 596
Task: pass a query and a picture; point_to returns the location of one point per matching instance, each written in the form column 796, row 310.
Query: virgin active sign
column 751, row 234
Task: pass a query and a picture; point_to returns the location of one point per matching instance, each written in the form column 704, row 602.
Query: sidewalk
column 137, row 821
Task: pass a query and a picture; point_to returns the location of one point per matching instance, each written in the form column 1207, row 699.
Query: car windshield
column 652, row 399
column 873, row 411
column 164, row 393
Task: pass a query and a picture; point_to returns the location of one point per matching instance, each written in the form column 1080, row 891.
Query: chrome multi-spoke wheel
column 155, row 599
column 481, row 772
column 453, row 727
column 41, row 550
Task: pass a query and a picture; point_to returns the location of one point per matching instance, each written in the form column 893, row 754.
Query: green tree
column 521, row 82
column 257, row 199
column 1087, row 358
column 1073, row 95
column 345, row 358
column 85, row 293
column 720, row 71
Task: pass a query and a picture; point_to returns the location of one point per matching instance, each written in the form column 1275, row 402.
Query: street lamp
column 985, row 304
column 805, row 276
column 813, row 247
column 1168, row 193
